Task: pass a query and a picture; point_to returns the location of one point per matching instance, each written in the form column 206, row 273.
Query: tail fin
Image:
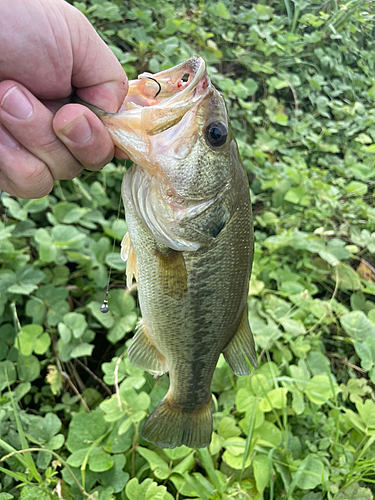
column 169, row 427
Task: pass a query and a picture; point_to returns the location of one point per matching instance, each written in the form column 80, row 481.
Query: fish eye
column 216, row 134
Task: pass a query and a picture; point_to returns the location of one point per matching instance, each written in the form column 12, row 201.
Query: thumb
column 96, row 73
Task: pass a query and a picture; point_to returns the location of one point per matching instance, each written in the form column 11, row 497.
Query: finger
column 96, row 74
column 121, row 155
column 48, row 46
column 30, row 123
column 84, row 135
column 21, row 173
column 54, row 106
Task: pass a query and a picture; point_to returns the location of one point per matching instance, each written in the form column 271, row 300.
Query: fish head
column 174, row 124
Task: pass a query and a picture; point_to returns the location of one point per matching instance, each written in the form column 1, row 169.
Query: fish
column 189, row 243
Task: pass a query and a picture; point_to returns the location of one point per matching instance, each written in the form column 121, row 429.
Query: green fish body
column 189, row 242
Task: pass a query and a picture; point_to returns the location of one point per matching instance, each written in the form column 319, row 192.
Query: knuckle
column 53, row 146
column 35, row 183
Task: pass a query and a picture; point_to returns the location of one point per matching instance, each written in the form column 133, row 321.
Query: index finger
column 97, row 75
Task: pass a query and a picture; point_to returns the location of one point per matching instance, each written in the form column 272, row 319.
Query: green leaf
column 276, row 307
column 227, row 428
column 28, row 368
column 114, row 260
column 348, row 279
column 77, row 458
column 262, row 472
column 76, row 322
column 292, row 326
column 116, row 477
column 112, row 409
column 14, row 208
column 356, row 188
column 119, row 443
column 367, row 412
column 37, row 310
column 298, row 403
column 106, row 320
column 357, row 325
column 177, row 453
column 281, row 119
column 99, row 460
column 82, row 350
column 233, row 455
column 65, row 333
column 268, row 435
column 109, row 370
column 366, row 352
column 136, row 491
column 34, row 493
column 317, row 363
column 309, row 473
column 67, row 213
column 319, row 389
column 185, row 465
column 6, row 496
column 56, row 442
column 68, row 237
column 125, row 426
column 222, row 11
column 251, row 86
column 354, row 492
column 135, row 401
column 23, row 289
column 294, row 195
column 84, row 429
column 122, row 327
column 31, row 338
column 275, row 399
column 57, row 311
column 30, row 275
column 158, row 466
column 7, row 374
column 121, row 302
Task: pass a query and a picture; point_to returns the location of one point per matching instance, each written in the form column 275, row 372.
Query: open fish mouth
column 186, row 81
column 155, row 103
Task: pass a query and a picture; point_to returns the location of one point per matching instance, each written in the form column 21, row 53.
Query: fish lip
column 167, row 88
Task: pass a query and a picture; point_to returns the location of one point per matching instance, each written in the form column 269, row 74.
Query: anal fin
column 128, row 255
column 241, row 347
column 143, row 353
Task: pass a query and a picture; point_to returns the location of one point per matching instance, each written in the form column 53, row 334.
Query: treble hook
column 158, row 92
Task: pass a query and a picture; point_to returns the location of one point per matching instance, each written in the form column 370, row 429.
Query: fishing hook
column 158, row 92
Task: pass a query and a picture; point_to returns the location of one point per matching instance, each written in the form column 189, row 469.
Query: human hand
column 47, row 48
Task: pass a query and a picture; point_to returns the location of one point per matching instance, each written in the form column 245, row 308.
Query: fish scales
column 190, row 243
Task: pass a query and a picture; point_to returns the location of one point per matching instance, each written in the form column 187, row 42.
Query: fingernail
column 7, row 140
column 78, row 131
column 16, row 104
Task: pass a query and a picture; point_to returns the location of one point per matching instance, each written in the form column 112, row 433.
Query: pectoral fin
column 128, row 255
column 241, row 347
column 143, row 353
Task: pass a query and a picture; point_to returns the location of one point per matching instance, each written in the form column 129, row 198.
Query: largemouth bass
column 189, row 243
